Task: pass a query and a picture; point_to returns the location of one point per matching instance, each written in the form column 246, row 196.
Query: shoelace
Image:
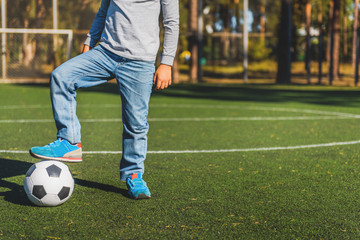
column 55, row 143
column 136, row 182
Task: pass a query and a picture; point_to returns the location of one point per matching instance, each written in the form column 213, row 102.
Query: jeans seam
column 72, row 121
column 87, row 74
column 117, row 66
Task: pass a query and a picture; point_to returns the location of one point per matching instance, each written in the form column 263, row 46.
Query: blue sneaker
column 60, row 150
column 137, row 187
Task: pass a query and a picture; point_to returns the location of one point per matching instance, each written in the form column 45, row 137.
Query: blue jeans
column 97, row 66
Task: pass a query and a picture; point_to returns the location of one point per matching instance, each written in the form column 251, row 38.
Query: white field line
column 23, row 107
column 27, row 121
column 257, row 108
column 196, row 119
column 194, row 107
column 218, row 150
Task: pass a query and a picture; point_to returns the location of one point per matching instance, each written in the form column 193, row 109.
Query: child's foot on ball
column 137, row 187
column 60, row 150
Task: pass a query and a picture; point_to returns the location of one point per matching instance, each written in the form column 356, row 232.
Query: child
column 128, row 32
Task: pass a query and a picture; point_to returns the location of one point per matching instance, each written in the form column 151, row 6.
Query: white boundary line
column 195, row 119
column 258, row 108
column 332, row 115
column 218, row 150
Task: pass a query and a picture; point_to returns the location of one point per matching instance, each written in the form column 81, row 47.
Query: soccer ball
column 49, row 183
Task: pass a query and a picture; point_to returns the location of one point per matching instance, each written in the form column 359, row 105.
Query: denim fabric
column 97, row 66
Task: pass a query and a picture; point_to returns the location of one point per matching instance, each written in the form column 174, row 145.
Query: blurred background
column 221, row 41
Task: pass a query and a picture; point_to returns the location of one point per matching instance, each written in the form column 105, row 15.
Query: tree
column 308, row 38
column 330, row 30
column 344, row 29
column 321, row 35
column 262, row 22
column 27, row 49
column 284, row 44
column 193, row 42
column 335, row 42
column 355, row 27
column 39, row 23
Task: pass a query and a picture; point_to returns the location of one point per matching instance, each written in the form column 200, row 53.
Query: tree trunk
column 308, row 38
column 175, row 71
column 238, row 30
column 355, row 26
column 39, row 23
column 336, row 50
column 330, row 30
column 26, row 46
column 262, row 22
column 224, row 39
column 344, row 30
column 193, row 43
column 85, row 14
column 321, row 34
column 284, row 44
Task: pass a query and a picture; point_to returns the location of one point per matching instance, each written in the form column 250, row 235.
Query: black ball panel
column 39, row 191
column 53, row 171
column 64, row 193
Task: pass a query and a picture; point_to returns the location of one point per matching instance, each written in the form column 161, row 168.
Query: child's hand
column 85, row 48
column 162, row 77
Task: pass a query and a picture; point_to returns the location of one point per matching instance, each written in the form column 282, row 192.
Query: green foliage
column 76, row 14
column 258, row 50
column 79, row 15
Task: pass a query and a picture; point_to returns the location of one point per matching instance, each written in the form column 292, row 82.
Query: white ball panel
column 28, row 185
column 53, row 186
column 67, row 179
column 39, row 176
column 34, row 200
column 51, row 200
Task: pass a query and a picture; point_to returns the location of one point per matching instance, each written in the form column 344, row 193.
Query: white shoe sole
column 62, row 159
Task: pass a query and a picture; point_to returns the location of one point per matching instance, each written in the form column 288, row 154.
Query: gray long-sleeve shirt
column 130, row 28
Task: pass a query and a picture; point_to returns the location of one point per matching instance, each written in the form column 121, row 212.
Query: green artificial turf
column 252, row 192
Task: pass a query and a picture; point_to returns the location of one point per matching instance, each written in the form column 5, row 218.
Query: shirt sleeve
column 93, row 37
column 170, row 10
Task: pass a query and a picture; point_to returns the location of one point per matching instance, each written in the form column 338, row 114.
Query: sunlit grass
column 309, row 193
